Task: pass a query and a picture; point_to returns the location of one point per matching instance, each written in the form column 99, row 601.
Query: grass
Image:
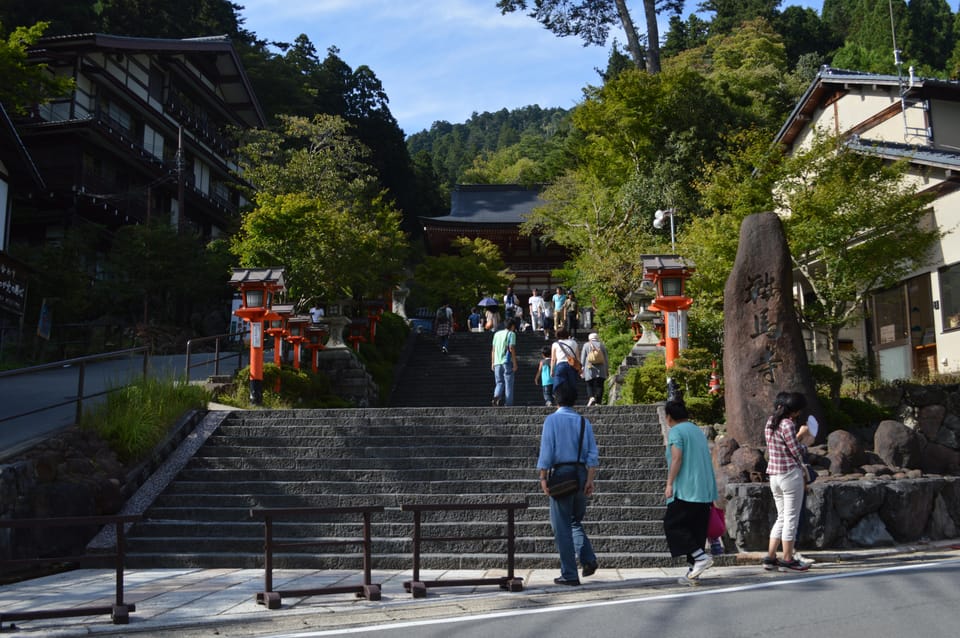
column 134, row 419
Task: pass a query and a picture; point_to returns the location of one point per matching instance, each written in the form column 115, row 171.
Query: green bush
column 646, row 383
column 706, row 410
column 691, row 370
column 135, row 418
column 298, row 389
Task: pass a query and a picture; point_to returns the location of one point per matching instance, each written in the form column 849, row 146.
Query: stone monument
column 763, row 348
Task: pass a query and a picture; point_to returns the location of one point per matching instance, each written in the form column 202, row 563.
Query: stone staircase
column 339, row 458
column 462, row 377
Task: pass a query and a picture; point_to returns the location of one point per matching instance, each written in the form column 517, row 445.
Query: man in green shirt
column 503, row 362
column 691, row 489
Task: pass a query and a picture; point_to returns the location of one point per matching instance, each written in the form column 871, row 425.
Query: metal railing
column 218, row 352
column 509, row 582
column 272, row 599
column 119, row 611
column 81, row 364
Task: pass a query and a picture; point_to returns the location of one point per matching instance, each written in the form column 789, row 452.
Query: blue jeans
column 566, row 516
column 548, row 393
column 503, row 374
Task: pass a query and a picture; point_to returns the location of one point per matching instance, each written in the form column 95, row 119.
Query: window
column 201, row 176
column 950, row 296
column 890, row 317
column 152, row 141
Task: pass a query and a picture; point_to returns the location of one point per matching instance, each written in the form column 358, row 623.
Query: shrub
column 646, row 383
column 135, row 418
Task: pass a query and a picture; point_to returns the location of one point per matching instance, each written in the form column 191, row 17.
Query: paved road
column 22, row 394
column 894, row 600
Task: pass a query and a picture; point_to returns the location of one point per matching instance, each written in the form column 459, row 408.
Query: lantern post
column 669, row 274
column 257, row 288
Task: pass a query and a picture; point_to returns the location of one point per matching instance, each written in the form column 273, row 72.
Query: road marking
column 606, row 603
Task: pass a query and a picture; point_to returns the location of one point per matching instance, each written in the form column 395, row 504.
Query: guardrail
column 273, row 599
column 81, row 364
column 217, row 358
column 119, row 611
column 509, row 582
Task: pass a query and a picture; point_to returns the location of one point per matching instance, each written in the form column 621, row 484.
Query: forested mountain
column 454, row 149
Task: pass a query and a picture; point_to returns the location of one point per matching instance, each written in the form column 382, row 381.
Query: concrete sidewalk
column 222, row 602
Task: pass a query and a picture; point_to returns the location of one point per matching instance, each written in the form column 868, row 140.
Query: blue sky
column 445, row 59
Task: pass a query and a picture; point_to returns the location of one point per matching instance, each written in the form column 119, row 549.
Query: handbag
column 716, row 526
column 564, row 478
column 809, row 474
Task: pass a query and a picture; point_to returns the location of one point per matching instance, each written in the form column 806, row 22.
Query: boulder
column 898, row 445
column 723, row 449
column 906, row 508
column 929, row 420
column 870, row 532
column 939, row 459
column 748, row 460
column 844, row 451
column 941, row 524
column 949, row 432
column 750, row 514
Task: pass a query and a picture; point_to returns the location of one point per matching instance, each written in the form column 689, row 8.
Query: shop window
column 950, row 296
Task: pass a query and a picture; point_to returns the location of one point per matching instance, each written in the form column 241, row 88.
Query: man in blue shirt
column 691, row 489
column 559, row 444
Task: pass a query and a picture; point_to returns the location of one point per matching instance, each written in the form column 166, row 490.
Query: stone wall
column 850, row 514
column 348, row 378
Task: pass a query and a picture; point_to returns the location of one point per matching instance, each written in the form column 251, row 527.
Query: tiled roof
column 489, row 204
column 925, row 155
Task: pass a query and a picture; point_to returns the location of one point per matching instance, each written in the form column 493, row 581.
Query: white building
column 912, row 329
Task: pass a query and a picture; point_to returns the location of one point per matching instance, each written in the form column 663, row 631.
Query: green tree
column 932, row 35
column 855, row 224
column 869, row 40
column 319, row 212
column 729, row 14
column 461, row 279
column 24, row 84
column 590, row 20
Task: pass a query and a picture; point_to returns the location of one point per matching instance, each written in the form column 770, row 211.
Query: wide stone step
column 311, row 451
column 374, row 499
column 391, row 545
column 467, row 472
column 612, row 466
column 481, row 487
column 203, row 515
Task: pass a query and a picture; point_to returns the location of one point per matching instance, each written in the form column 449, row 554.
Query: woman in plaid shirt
column 786, row 479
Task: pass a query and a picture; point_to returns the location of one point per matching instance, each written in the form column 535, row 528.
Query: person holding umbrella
column 491, row 315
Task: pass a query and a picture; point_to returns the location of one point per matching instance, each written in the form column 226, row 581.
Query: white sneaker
column 700, row 565
column 803, row 559
column 592, row 401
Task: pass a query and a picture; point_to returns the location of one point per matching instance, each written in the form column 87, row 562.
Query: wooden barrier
column 273, row 599
column 119, row 611
column 509, row 582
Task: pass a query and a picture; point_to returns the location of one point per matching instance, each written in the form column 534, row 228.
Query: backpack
column 595, row 356
column 442, row 316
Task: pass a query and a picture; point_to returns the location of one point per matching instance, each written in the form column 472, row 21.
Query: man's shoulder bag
column 564, row 478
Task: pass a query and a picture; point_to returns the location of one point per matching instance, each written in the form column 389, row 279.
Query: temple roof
column 489, row 204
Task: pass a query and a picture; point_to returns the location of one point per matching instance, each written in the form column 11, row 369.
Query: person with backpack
column 443, row 326
column 593, row 358
column 510, row 304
